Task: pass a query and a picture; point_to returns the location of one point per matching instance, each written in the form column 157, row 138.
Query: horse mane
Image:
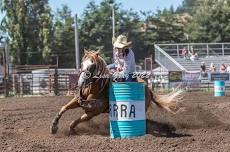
column 102, row 66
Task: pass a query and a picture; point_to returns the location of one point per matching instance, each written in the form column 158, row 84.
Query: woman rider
column 124, row 59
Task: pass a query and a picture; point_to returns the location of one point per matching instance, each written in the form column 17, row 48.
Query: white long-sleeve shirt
column 127, row 63
column 118, row 60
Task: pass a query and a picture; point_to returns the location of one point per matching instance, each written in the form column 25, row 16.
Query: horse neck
column 103, row 73
column 102, row 68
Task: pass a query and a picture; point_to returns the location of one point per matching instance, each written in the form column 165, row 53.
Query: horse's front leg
column 70, row 105
column 88, row 115
column 84, row 117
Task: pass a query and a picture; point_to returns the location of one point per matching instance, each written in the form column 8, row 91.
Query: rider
column 124, row 59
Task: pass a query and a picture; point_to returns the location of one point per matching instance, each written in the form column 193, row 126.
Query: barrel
column 219, row 88
column 127, row 110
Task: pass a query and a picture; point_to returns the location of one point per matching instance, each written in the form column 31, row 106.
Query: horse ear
column 113, row 40
column 86, row 51
column 98, row 52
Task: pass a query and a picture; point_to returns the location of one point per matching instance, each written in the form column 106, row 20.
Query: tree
column 64, row 40
column 210, row 22
column 187, row 6
column 28, row 24
column 96, row 26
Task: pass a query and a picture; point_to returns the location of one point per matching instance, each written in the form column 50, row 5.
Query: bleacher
column 195, row 65
column 169, row 55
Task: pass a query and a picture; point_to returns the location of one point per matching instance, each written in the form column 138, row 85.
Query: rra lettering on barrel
column 126, row 111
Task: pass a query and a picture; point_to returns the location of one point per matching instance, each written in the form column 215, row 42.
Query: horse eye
column 91, row 67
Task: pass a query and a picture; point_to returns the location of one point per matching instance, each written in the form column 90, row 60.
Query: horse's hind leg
column 84, row 117
column 71, row 105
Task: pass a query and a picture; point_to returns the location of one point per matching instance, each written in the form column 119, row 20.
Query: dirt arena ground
column 203, row 126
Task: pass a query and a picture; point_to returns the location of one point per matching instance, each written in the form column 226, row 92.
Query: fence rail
column 203, row 49
column 165, row 60
column 189, row 81
column 38, row 84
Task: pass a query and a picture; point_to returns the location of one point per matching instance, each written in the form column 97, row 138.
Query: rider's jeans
column 111, row 66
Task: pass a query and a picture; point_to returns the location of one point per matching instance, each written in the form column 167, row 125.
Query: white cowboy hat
column 121, row 42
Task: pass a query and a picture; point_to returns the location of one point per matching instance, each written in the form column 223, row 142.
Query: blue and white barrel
column 127, row 110
column 219, row 88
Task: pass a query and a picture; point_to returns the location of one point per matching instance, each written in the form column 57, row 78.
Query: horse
column 93, row 97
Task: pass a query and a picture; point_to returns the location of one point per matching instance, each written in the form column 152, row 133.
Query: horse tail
column 169, row 101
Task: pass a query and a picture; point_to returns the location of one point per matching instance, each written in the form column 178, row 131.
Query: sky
column 78, row 6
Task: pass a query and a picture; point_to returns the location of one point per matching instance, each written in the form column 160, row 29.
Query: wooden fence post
column 21, row 84
column 50, row 83
column 56, row 82
column 5, row 86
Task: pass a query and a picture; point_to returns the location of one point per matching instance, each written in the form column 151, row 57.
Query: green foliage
column 35, row 34
column 106, row 58
column 163, row 27
column 211, row 22
column 95, row 27
column 64, row 40
column 169, row 27
column 187, row 6
column 28, row 24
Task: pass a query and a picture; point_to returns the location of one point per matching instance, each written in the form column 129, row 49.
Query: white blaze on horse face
column 81, row 79
column 85, row 64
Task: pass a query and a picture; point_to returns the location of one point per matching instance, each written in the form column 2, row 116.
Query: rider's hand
column 119, row 69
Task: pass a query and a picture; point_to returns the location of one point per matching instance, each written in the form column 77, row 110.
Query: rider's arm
column 129, row 63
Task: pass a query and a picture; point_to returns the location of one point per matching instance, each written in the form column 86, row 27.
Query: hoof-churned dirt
column 204, row 125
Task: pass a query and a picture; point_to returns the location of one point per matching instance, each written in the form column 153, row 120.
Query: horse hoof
column 53, row 129
column 72, row 131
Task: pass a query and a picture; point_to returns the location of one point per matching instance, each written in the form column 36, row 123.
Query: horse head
column 92, row 65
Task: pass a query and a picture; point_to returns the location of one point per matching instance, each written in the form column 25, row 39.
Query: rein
column 86, row 102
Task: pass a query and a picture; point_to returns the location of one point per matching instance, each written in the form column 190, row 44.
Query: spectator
column 185, row 53
column 202, row 67
column 223, row 68
column 228, row 68
column 212, row 68
column 203, row 72
column 193, row 55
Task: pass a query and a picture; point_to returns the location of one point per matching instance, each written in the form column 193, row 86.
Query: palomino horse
column 93, row 95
